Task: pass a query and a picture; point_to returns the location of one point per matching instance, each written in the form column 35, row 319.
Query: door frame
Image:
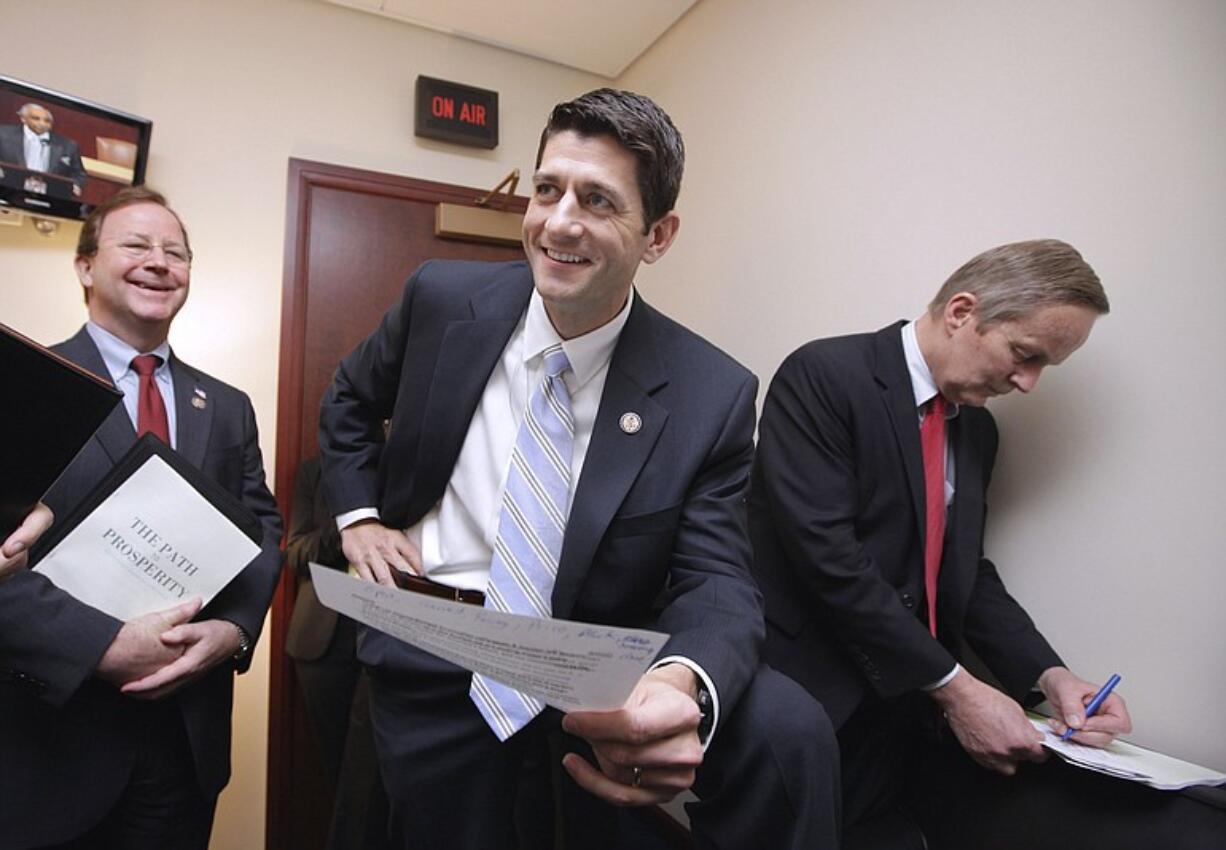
column 306, row 176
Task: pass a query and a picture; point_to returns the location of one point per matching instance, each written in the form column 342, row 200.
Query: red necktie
column 932, row 440
column 150, row 409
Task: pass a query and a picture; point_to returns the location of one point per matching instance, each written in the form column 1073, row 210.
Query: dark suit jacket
column 67, row 740
column 656, row 535
column 837, row 521
column 65, row 156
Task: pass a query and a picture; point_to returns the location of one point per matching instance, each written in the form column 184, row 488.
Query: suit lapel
column 193, row 412
column 115, row 434
column 966, row 515
column 899, row 398
column 614, row 457
column 467, row 355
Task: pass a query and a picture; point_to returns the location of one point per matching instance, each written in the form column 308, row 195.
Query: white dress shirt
column 117, row 355
column 37, row 149
column 456, row 537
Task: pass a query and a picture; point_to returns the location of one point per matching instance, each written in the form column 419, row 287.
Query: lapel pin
column 200, row 392
column 631, row 422
column 199, row 403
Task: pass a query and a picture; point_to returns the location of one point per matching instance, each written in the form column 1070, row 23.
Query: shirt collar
column 117, row 355
column 588, row 354
column 922, row 384
column 30, row 134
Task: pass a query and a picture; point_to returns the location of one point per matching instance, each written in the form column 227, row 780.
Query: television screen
column 60, row 155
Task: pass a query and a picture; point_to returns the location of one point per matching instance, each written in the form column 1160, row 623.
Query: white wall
column 234, row 89
column 845, row 157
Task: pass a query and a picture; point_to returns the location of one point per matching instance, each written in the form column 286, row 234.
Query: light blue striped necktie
column 530, row 531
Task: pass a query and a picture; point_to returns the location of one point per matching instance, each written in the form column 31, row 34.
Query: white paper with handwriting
column 1128, row 761
column 571, row 666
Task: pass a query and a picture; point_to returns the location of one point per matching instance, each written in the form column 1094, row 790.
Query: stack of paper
column 1128, row 761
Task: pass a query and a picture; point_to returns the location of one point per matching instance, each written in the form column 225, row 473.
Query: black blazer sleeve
column 813, row 485
column 49, row 642
column 235, row 461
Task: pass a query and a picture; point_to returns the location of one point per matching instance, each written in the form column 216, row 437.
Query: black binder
column 53, row 407
column 243, row 518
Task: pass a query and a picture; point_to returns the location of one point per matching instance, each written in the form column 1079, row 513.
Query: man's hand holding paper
column 655, row 732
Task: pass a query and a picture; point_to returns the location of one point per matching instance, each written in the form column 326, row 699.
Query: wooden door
column 352, row 239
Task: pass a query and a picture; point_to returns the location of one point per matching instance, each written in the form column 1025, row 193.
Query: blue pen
column 1096, row 703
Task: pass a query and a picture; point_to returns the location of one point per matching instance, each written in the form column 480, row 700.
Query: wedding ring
column 638, row 777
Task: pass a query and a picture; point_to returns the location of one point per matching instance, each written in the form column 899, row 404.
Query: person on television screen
column 31, row 143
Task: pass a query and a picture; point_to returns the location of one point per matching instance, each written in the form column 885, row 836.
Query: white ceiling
column 599, row 37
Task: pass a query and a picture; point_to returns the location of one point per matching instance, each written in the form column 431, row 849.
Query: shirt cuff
column 348, row 518
column 944, row 680
column 710, row 686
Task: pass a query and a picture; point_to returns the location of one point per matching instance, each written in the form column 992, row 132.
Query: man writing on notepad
column 867, row 515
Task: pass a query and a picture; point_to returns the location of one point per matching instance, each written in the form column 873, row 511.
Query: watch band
column 707, row 710
column 244, row 644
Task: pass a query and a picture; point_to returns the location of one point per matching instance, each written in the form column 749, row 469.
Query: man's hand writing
column 655, row 731
column 1069, row 694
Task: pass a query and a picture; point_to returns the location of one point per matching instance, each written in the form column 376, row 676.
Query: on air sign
column 456, row 113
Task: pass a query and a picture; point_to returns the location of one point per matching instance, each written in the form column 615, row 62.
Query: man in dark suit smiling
column 117, row 734
column 561, row 447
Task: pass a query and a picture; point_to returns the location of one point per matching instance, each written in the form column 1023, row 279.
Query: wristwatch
column 707, row 709
column 244, row 644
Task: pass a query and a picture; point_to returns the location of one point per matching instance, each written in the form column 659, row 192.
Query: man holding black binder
column 117, row 734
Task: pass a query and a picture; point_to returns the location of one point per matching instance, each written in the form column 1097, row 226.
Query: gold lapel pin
column 630, row 422
column 199, row 403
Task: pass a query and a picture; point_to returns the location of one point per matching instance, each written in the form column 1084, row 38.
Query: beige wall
column 845, row 157
column 234, row 89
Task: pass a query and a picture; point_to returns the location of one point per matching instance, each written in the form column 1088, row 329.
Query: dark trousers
column 162, row 806
column 769, row 779
column 905, row 774
column 337, row 695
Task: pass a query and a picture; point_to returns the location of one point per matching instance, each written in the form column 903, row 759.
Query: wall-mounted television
column 61, row 156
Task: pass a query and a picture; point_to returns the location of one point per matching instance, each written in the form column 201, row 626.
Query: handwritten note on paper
column 571, row 666
column 1128, row 761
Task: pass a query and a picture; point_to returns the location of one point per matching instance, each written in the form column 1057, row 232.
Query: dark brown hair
column 638, row 125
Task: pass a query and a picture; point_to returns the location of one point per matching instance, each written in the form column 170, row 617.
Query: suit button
column 908, row 601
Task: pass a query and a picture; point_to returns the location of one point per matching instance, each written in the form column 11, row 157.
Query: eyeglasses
column 177, row 255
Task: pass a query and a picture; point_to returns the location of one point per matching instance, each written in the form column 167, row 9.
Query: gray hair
column 25, row 106
column 1013, row 281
